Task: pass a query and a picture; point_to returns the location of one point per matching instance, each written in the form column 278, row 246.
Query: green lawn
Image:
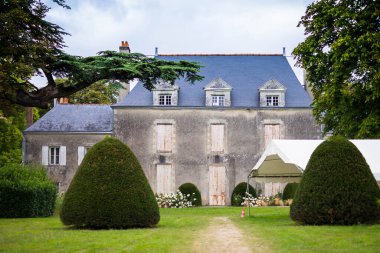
column 179, row 228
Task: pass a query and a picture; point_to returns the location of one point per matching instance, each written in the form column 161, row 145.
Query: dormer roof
column 272, row 84
column 218, row 84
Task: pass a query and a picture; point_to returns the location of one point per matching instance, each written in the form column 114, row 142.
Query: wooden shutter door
column 217, row 138
column 165, row 178
column 271, row 132
column 217, row 186
column 164, row 137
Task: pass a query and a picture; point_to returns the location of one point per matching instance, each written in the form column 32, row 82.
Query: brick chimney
column 124, row 47
column 63, row 100
column 29, row 116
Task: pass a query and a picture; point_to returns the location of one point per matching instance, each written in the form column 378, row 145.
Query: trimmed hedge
column 337, row 187
column 25, row 191
column 239, row 192
column 189, row 188
column 109, row 190
column 290, row 191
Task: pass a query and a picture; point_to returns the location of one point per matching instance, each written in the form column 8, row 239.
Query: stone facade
column 210, row 133
column 61, row 174
column 191, row 155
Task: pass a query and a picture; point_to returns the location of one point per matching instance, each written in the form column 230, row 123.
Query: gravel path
column 221, row 236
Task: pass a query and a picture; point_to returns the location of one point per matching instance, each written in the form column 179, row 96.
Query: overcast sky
column 182, row 26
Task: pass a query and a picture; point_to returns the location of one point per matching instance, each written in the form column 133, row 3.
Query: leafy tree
column 100, row 92
column 10, row 142
column 31, row 45
column 341, row 55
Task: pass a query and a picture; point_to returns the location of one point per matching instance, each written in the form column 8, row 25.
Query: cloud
column 186, row 26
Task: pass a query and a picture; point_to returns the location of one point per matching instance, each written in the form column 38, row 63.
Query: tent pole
column 249, row 206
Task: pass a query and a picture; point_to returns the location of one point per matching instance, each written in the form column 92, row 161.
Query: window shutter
column 217, row 138
column 165, row 178
column 80, row 154
column 45, row 155
column 271, row 132
column 62, row 155
column 164, row 137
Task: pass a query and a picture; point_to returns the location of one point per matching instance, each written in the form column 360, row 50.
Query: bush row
column 25, row 191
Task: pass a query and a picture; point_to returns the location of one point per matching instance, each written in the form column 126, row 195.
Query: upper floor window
column 272, row 94
column 217, row 138
column 217, row 100
column 218, row 93
column 165, row 93
column 164, row 138
column 53, row 155
column 272, row 100
column 165, row 100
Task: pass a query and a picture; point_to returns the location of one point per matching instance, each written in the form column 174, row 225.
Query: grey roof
column 75, row 118
column 245, row 73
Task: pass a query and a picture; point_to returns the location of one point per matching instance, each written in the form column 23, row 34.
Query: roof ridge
column 234, row 54
column 84, row 104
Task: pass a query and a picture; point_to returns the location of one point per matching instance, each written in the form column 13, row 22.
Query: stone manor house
column 210, row 134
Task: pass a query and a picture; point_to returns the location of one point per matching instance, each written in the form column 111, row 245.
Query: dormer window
column 165, row 100
column 272, row 94
column 217, row 100
column 272, row 100
column 165, row 94
column 218, row 93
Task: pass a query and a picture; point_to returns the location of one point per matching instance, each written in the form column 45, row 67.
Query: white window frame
column 165, row 99
column 217, row 100
column 272, row 100
column 54, row 155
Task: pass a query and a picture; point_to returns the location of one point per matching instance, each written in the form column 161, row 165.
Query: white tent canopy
column 287, row 158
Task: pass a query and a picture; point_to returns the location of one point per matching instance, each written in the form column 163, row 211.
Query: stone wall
column 191, row 156
column 61, row 174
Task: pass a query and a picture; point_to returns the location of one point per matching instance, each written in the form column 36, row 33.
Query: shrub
column 173, row 200
column 337, row 187
column 25, row 191
column 289, row 191
column 195, row 196
column 239, row 192
column 109, row 190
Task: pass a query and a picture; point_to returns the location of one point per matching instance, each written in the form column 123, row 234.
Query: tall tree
column 31, row 45
column 341, row 55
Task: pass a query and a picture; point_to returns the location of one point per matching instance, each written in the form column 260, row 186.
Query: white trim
column 45, row 155
column 62, row 155
column 80, row 154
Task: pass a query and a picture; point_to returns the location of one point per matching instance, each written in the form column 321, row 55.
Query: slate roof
column 75, row 118
column 245, row 73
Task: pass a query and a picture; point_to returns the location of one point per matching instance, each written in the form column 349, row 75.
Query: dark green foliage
column 29, row 45
column 337, row 187
column 10, row 143
column 195, row 194
column 341, row 57
column 290, row 190
column 110, row 190
column 239, row 192
column 25, row 191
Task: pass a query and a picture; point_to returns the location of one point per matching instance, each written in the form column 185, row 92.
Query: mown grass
column 269, row 230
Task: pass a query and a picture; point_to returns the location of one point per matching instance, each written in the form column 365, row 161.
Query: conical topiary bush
column 110, row 190
column 337, row 187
